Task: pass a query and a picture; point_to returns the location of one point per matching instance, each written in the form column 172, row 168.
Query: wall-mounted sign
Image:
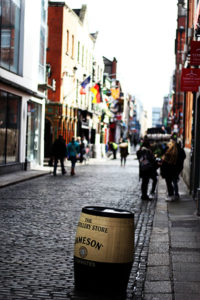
column 195, row 53
column 190, row 80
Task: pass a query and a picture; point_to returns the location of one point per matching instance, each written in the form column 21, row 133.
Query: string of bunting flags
column 100, row 95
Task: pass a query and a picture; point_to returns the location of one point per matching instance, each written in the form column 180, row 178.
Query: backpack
column 145, row 164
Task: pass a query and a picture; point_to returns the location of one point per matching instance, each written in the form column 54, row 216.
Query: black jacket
column 173, row 170
column 59, row 148
column 146, row 152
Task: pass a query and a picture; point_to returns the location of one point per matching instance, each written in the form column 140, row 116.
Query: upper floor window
column 42, row 45
column 82, row 55
column 72, row 46
column 10, row 19
column 78, row 52
column 67, row 50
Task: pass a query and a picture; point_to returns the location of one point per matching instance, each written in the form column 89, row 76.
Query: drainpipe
column 196, row 146
column 192, row 146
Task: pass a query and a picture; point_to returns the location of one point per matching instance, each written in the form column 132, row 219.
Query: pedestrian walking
column 83, row 145
column 135, row 142
column 171, row 167
column 113, row 147
column 59, row 153
column 147, row 169
column 123, row 146
column 73, row 151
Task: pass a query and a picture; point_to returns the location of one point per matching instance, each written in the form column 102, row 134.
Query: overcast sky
column 140, row 34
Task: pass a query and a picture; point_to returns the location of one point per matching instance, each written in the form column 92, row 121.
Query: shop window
column 33, row 131
column 9, row 127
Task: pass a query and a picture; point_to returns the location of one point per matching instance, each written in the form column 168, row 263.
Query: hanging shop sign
column 195, row 53
column 190, row 80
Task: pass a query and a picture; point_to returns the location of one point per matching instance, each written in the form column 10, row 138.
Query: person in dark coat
column 172, row 165
column 147, row 169
column 123, row 146
column 59, row 151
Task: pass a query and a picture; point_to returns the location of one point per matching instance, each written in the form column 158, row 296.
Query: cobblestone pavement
column 38, row 220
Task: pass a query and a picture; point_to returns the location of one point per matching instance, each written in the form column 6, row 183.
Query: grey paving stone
column 158, row 237
column 186, row 257
column 187, row 287
column 157, row 273
column 157, row 297
column 158, row 259
column 186, row 244
column 158, row 247
column 186, row 237
column 186, row 267
column 187, row 276
column 186, row 296
column 157, row 287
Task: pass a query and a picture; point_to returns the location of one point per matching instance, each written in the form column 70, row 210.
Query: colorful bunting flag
column 84, row 84
column 115, row 93
column 96, row 90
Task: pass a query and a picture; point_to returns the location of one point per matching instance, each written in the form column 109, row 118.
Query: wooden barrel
column 104, row 249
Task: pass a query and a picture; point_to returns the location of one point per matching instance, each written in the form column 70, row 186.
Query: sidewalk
column 173, row 266
column 19, row 176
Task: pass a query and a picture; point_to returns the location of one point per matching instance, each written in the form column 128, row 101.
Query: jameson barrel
column 104, row 249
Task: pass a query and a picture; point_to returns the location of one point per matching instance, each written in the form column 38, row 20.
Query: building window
column 86, row 60
column 82, row 55
column 9, row 127
column 78, row 53
column 67, row 50
column 77, row 90
column 10, row 34
column 72, row 46
column 42, row 46
column 33, row 131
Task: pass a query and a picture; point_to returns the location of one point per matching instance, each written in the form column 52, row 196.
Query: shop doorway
column 48, row 138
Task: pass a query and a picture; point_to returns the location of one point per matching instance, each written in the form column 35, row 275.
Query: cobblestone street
column 38, row 221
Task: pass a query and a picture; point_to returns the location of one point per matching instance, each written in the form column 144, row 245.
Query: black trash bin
column 104, row 250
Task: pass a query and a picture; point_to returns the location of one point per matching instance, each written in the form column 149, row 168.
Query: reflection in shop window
column 33, row 131
column 9, row 127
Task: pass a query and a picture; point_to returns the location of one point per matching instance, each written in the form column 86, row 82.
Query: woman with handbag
column 73, row 150
column 171, row 167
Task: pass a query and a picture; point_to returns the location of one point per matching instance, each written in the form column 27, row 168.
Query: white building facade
column 22, row 70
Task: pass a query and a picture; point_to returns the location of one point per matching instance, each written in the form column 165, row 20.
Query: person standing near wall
column 171, row 167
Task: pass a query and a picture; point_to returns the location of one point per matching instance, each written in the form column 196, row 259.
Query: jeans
column 73, row 161
column 172, row 186
column 145, row 182
column 56, row 163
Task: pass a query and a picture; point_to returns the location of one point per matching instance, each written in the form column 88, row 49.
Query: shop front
column 10, row 105
column 33, row 136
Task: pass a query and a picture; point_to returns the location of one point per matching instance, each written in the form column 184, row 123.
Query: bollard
column 198, row 202
column 104, row 250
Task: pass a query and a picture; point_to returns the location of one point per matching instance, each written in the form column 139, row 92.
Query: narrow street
column 38, row 221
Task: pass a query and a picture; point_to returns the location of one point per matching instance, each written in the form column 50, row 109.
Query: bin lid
column 107, row 212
